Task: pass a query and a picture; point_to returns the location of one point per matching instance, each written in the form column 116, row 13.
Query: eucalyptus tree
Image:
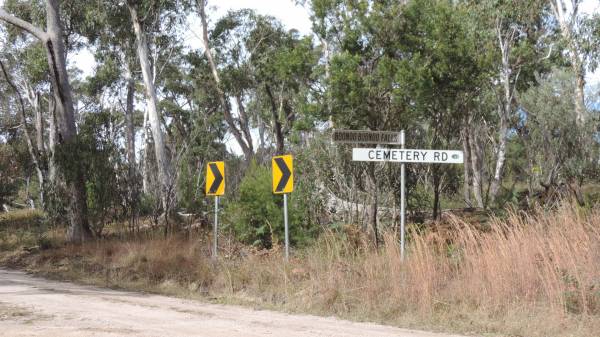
column 266, row 69
column 239, row 127
column 25, row 74
column 197, row 129
column 517, row 40
column 564, row 151
column 35, row 150
column 577, row 30
column 112, row 84
column 364, row 75
column 441, row 72
column 141, row 16
column 54, row 44
column 282, row 65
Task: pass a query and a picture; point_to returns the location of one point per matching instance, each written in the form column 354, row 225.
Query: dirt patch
column 84, row 311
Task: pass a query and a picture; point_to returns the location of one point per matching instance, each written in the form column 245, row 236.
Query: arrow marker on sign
column 285, row 174
column 218, row 178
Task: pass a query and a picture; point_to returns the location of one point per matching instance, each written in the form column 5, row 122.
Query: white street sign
column 408, row 156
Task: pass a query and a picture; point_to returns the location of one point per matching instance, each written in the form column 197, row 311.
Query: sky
column 286, row 11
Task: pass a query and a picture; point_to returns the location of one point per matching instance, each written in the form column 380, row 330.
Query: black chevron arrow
column 286, row 174
column 218, row 178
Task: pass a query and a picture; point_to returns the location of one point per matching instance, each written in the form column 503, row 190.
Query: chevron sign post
column 215, row 186
column 283, row 183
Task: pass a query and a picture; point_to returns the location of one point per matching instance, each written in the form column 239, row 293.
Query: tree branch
column 33, row 30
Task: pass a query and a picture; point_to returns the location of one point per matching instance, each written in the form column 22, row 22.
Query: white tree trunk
column 79, row 230
column 477, row 169
column 506, row 39
column 145, row 160
column 160, row 149
column 52, row 170
column 467, row 183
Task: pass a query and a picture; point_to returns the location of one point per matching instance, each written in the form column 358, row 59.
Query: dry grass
column 529, row 275
column 26, row 218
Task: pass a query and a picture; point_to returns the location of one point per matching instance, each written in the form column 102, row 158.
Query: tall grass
column 527, row 275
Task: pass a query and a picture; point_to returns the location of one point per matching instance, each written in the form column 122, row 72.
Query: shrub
column 256, row 216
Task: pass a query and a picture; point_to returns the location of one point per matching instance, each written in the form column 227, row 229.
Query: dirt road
column 37, row 307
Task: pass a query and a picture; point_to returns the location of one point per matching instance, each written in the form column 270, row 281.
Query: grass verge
column 526, row 275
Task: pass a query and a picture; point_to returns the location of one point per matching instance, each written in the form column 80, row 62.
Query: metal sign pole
column 402, row 200
column 216, row 226
column 285, row 220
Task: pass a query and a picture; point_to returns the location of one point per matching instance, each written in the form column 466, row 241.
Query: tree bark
column 500, row 156
column 476, row 169
column 146, row 181
column 52, row 170
column 244, row 121
column 132, row 185
column 505, row 41
column 35, row 99
column 129, row 127
column 580, row 109
column 276, row 123
column 436, row 192
column 466, row 139
column 160, row 149
column 375, row 203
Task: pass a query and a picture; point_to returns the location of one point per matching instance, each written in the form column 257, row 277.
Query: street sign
column 215, row 186
column 407, row 156
column 215, row 178
column 368, row 137
column 283, row 174
column 401, row 156
column 283, row 183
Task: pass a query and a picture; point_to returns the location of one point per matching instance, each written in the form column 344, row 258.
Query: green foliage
column 563, row 150
column 269, row 69
column 102, row 166
column 256, row 215
column 104, row 190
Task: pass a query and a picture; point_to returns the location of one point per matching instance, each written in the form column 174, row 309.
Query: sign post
column 283, row 183
column 401, row 156
column 402, row 197
column 215, row 186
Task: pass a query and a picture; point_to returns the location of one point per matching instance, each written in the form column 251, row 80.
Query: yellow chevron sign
column 215, row 178
column 283, row 174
